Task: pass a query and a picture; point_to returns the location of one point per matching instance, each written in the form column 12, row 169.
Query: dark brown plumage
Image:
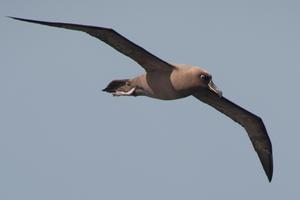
column 169, row 81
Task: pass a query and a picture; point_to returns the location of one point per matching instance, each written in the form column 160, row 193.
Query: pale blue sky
column 62, row 138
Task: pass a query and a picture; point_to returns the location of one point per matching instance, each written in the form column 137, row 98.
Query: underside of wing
column 252, row 123
column 147, row 60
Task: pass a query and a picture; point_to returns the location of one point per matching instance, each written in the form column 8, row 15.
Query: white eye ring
column 203, row 77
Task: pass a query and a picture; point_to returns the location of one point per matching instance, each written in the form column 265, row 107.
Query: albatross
column 166, row 81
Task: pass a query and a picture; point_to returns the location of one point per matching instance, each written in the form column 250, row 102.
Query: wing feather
column 252, row 123
column 147, row 60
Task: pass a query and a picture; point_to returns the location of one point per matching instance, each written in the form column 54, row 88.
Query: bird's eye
column 202, row 76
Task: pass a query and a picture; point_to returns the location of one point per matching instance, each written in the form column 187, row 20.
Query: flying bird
column 166, row 81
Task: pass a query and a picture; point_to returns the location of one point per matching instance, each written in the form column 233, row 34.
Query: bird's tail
column 120, row 88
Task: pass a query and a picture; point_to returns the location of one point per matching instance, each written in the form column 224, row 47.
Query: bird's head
column 204, row 81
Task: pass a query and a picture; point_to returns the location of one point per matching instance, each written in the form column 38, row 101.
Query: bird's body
column 180, row 82
column 173, row 81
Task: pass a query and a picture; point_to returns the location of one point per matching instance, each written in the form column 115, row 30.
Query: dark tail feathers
column 118, row 85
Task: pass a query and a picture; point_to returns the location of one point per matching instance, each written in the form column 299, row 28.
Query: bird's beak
column 212, row 87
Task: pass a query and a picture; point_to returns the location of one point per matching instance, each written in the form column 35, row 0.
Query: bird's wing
column 147, row 60
column 252, row 123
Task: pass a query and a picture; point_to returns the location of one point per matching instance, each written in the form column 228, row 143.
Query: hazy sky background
column 62, row 138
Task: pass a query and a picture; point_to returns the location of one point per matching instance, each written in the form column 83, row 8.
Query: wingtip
column 28, row 20
column 270, row 178
column 268, row 167
column 13, row 17
column 20, row 19
column 270, row 175
column 10, row 17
